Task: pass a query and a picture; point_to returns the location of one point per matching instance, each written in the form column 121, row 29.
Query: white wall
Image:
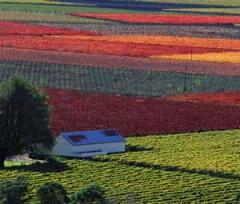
column 64, row 148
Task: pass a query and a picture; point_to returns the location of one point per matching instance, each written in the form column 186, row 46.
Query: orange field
column 224, row 57
column 161, row 40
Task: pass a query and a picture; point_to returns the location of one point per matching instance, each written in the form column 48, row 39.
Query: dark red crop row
column 73, row 111
column 11, row 28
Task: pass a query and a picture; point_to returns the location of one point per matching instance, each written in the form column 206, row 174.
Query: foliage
column 179, row 168
column 13, row 191
column 52, row 193
column 24, row 119
column 238, row 199
column 90, row 194
column 192, row 168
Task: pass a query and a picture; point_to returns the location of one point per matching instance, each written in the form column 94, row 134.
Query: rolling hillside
column 183, row 168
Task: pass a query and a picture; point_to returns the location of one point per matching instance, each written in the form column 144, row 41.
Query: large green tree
column 24, row 119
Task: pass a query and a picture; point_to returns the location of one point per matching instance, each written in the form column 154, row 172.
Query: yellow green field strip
column 205, row 2
column 212, row 151
column 226, row 57
column 234, row 11
column 35, row 1
column 58, row 8
column 29, row 1
column 41, row 17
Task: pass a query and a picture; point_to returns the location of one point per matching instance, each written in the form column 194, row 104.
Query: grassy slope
column 186, row 168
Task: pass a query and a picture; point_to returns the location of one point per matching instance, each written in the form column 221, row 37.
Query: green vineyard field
column 191, row 168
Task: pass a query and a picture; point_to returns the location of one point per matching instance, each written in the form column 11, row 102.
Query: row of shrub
column 14, row 191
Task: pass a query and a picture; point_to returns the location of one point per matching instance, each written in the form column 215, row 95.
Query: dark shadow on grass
column 137, row 148
column 212, row 173
column 43, row 167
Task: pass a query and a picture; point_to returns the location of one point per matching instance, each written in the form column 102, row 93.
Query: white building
column 88, row 143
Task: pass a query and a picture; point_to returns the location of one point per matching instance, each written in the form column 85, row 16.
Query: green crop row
column 32, row 1
column 43, row 17
column 217, row 11
column 126, row 181
column 117, row 81
column 146, row 29
column 57, row 8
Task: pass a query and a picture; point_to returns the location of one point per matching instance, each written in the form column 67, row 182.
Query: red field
column 78, row 111
column 162, row 19
column 227, row 98
column 11, row 28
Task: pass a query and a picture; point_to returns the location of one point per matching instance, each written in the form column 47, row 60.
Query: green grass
column 59, row 8
column 31, row 1
column 11, row 163
column 44, row 17
column 184, row 168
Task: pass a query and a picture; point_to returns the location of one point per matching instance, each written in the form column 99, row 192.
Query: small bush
column 13, row 191
column 238, row 199
column 90, row 194
column 52, row 193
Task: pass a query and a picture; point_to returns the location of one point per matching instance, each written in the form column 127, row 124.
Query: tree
column 13, row 191
column 24, row 119
column 90, row 194
column 52, row 193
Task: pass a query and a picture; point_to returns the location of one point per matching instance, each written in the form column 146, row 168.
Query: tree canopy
column 24, row 119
